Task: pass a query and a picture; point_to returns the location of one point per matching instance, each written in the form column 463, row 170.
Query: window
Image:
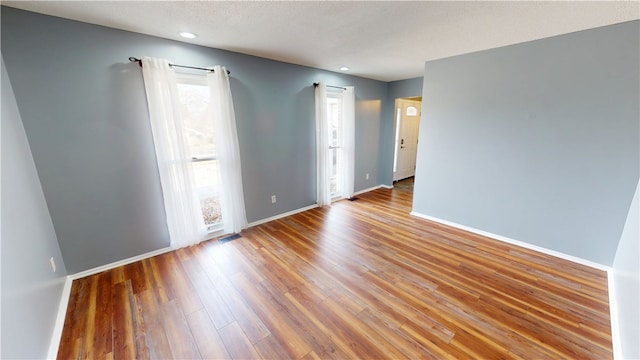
column 199, row 135
column 334, row 118
column 196, row 145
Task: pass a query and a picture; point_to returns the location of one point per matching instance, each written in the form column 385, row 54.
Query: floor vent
column 353, row 198
column 229, row 238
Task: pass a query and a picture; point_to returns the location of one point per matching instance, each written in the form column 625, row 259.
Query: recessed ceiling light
column 344, row 68
column 188, row 35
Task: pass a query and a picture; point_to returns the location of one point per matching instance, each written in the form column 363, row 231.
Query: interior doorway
column 407, row 120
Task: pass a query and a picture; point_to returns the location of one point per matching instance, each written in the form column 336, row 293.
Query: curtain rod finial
column 133, row 59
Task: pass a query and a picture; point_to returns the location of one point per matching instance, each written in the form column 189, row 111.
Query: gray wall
column 31, row 291
column 85, row 114
column 406, row 88
column 397, row 89
column 536, row 141
column 626, row 272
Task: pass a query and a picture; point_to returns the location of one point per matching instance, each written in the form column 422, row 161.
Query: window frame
column 215, row 229
column 339, row 147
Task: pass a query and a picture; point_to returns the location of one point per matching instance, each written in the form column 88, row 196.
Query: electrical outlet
column 53, row 264
column 367, row 176
column 273, row 199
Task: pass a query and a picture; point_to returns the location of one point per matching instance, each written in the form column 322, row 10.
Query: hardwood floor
column 361, row 279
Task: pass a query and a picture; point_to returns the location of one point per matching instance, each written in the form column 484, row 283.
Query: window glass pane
column 200, row 140
column 211, row 210
column 206, row 173
column 333, row 172
column 334, row 119
column 207, row 176
column 197, row 124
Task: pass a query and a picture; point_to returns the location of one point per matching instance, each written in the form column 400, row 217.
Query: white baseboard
column 54, row 344
column 280, row 216
column 367, row 190
column 293, row 212
column 613, row 308
column 115, row 264
column 381, row 186
column 66, row 293
column 613, row 314
column 515, row 242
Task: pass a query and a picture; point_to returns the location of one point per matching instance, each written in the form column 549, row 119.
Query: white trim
column 293, row 212
column 280, row 216
column 613, row 314
column 114, row 265
column 66, row 291
column 373, row 188
column 367, row 190
column 66, row 294
column 214, row 234
column 613, row 304
column 54, row 344
column 337, row 198
column 516, row 242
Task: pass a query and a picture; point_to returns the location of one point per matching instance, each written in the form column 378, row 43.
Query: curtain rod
column 331, row 86
column 133, row 59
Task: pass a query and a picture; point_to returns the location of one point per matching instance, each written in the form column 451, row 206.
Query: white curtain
column 184, row 217
column 228, row 151
column 322, row 145
column 348, row 145
column 323, row 135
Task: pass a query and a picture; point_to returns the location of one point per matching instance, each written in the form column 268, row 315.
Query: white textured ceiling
column 385, row 40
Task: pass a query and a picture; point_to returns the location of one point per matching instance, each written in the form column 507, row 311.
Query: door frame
column 396, row 130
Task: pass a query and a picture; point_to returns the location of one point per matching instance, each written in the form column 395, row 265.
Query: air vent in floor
column 229, row 238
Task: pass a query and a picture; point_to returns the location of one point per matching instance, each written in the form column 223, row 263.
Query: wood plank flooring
column 357, row 280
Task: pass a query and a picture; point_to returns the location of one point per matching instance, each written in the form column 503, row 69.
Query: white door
column 407, row 126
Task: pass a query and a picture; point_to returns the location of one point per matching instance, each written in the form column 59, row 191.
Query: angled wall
column 31, row 291
column 626, row 274
column 537, row 142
